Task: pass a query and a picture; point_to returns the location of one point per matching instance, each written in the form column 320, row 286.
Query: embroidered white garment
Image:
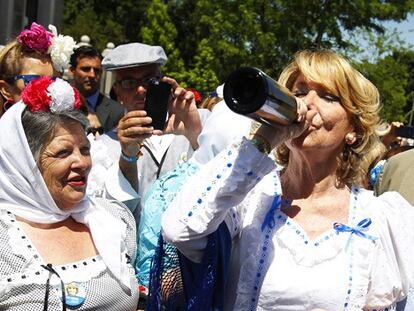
column 276, row 266
column 24, row 192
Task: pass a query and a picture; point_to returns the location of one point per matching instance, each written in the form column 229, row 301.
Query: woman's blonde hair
column 358, row 96
column 11, row 59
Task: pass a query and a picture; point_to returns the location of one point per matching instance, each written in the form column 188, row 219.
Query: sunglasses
column 131, row 83
column 26, row 78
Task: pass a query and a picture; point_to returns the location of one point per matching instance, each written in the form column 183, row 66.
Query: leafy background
column 207, row 39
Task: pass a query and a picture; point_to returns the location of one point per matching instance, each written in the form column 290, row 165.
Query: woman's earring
column 7, row 104
column 349, row 138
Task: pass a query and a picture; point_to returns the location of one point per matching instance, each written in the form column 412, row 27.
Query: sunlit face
column 331, row 123
column 133, row 98
column 31, row 66
column 87, row 74
column 65, row 164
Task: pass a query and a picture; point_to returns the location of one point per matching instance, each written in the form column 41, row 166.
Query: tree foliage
column 207, row 39
column 159, row 30
column 390, row 77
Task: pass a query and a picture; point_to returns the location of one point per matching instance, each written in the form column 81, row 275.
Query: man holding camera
column 130, row 158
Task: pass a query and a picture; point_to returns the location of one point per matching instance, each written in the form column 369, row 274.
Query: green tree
column 88, row 23
column 389, row 63
column 207, row 39
column 203, row 77
column 406, row 57
column 267, row 33
column 390, row 77
column 104, row 21
column 159, row 30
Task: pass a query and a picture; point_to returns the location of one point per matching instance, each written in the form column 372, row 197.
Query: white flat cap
column 133, row 55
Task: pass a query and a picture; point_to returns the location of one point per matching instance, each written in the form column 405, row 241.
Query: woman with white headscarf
column 59, row 248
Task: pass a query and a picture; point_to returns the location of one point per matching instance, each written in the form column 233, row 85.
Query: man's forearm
column 130, row 172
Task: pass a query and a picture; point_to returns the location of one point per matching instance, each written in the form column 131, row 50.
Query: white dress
column 274, row 265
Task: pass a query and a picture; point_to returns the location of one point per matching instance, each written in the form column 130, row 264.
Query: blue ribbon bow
column 270, row 216
column 358, row 230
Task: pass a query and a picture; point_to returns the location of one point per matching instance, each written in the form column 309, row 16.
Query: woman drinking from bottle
column 298, row 233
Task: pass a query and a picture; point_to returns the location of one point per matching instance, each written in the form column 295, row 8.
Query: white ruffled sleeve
column 392, row 268
column 207, row 197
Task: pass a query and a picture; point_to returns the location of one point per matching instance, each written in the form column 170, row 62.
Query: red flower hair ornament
column 197, row 96
column 46, row 94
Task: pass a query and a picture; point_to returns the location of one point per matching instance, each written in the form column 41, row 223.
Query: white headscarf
column 24, row 193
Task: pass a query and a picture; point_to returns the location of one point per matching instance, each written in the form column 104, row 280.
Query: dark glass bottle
column 249, row 91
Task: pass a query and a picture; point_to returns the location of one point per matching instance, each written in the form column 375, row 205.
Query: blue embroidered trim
column 218, row 176
column 358, row 230
column 283, row 219
column 268, row 225
column 354, row 198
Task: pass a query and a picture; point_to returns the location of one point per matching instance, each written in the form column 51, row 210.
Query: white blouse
column 366, row 265
column 23, row 277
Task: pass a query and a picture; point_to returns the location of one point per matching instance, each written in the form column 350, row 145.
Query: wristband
column 134, row 158
column 127, row 158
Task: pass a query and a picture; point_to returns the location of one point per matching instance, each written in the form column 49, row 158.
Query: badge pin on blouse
column 75, row 294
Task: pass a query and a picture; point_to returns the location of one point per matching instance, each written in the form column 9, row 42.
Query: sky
column 406, row 29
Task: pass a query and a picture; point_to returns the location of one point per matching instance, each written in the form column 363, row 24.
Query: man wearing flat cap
column 127, row 160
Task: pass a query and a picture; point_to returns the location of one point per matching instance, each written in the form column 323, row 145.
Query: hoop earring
column 7, row 104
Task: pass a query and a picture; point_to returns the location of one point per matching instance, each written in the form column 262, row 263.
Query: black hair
column 84, row 51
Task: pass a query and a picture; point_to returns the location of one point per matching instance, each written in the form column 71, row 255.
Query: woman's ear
column 5, row 90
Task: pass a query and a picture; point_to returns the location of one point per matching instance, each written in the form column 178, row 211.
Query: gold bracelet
column 260, row 142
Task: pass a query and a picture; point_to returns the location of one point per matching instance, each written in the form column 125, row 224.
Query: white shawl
column 24, row 193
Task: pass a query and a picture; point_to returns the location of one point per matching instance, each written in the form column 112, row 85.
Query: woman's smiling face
column 65, row 164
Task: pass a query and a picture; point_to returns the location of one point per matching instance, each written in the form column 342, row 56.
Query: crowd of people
column 100, row 210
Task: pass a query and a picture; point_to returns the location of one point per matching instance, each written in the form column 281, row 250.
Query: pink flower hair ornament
column 58, row 46
column 48, row 94
column 36, row 38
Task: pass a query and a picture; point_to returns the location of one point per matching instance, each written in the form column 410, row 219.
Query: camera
column 405, row 131
column 251, row 92
column 156, row 102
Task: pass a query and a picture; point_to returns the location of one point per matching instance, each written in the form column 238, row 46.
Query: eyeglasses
column 132, row 83
column 95, row 130
column 26, row 78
